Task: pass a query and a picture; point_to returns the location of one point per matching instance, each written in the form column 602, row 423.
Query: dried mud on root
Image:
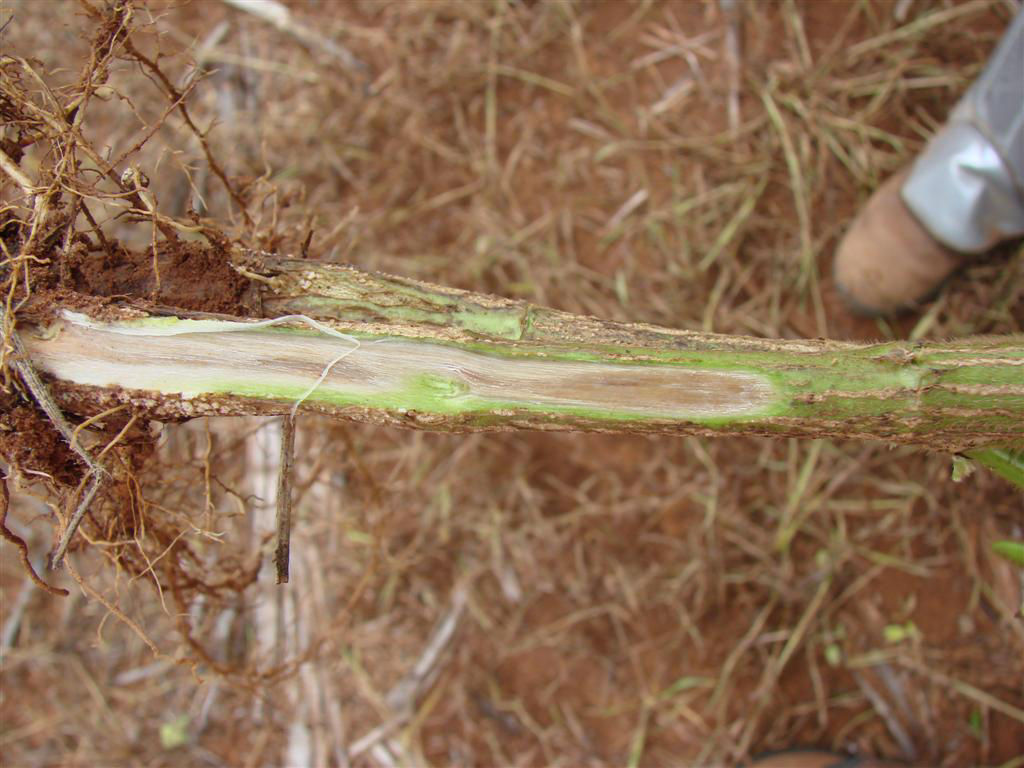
column 101, row 281
column 61, row 250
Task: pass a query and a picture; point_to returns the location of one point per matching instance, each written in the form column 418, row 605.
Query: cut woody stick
column 382, row 349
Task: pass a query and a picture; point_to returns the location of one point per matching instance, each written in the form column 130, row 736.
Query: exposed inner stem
column 220, row 357
column 388, row 350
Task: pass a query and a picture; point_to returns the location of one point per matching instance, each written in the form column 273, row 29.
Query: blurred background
column 530, row 598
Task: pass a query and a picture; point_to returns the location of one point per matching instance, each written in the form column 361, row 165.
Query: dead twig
column 885, row 712
column 402, row 697
column 95, row 474
column 968, row 691
column 11, row 169
column 94, row 479
column 175, row 95
column 277, row 14
column 282, row 549
column 45, row 400
column 732, row 10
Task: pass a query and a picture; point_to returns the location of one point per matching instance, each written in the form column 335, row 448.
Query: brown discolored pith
column 275, row 365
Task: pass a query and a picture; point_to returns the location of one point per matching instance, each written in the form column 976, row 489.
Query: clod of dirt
column 29, row 442
column 188, row 275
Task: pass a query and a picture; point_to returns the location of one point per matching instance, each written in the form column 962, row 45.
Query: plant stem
column 392, row 350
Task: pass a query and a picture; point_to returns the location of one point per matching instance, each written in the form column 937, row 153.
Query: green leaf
column 897, row 633
column 174, row 733
column 359, row 537
column 833, row 655
column 975, row 724
column 1006, row 464
column 686, row 683
column 1011, row 550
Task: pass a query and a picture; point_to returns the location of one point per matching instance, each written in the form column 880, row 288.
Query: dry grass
column 610, row 600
